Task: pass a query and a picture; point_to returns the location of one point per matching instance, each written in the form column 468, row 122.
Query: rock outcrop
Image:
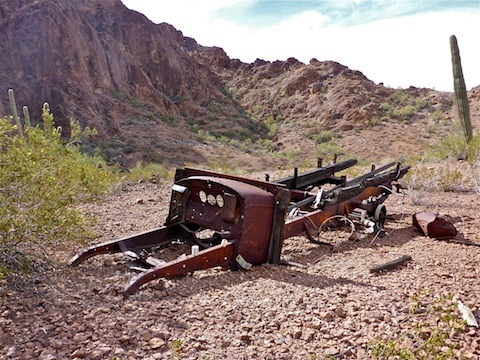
column 96, row 60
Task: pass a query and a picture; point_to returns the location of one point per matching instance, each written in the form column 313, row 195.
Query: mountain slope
column 155, row 95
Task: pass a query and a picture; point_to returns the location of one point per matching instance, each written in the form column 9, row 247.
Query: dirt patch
column 330, row 306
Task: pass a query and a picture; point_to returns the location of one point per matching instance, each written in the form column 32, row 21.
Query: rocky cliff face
column 102, row 64
column 81, row 55
column 156, row 95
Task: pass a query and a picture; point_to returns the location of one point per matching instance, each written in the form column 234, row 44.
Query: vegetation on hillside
column 41, row 178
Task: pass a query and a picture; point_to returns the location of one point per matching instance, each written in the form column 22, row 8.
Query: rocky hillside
column 156, row 95
column 110, row 68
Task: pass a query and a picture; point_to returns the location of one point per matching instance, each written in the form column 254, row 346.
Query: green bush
column 375, row 121
column 406, row 113
column 400, row 97
column 455, row 147
column 169, row 119
column 327, row 149
column 323, row 136
column 41, row 178
column 272, row 127
column 438, row 116
column 147, row 172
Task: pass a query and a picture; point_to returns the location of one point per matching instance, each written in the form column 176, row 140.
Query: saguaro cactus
column 460, row 90
column 13, row 107
column 26, row 115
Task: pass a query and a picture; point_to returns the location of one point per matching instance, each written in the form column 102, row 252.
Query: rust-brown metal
column 247, row 219
column 434, row 225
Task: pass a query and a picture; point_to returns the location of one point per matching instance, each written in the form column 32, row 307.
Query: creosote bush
column 41, row 178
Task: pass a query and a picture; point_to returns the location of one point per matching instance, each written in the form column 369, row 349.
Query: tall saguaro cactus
column 460, row 90
column 13, row 108
column 26, row 115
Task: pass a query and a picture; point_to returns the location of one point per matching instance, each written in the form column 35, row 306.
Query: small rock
column 245, row 337
column 100, row 352
column 340, row 312
column 308, row 335
column 331, row 352
column 297, row 334
column 225, row 344
column 118, row 351
column 472, row 332
column 79, row 338
column 156, row 343
column 129, row 307
column 78, row 354
column 124, row 339
column 475, row 345
column 47, row 355
column 315, row 325
column 327, row 315
column 444, row 349
column 139, row 201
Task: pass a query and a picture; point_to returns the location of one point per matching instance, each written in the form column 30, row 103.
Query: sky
column 399, row 43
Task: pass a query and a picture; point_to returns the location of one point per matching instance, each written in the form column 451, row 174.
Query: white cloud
column 400, row 52
column 181, row 14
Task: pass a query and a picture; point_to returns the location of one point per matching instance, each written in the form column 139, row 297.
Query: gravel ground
column 329, row 306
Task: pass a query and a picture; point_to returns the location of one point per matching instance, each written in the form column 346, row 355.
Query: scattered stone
column 328, row 315
column 245, row 337
column 78, row 354
column 331, row 352
column 340, row 312
column 156, row 343
column 308, row 335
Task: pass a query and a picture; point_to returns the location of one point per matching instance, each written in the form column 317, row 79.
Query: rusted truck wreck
column 248, row 220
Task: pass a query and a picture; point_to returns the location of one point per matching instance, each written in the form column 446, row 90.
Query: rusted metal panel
column 434, row 225
column 250, row 222
column 220, row 255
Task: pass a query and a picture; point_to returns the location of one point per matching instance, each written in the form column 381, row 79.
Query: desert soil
column 330, row 307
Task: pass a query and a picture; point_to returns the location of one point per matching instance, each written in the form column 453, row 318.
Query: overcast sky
column 401, row 43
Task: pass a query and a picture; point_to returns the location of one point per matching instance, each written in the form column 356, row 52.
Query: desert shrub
column 375, row 121
column 41, row 178
column 437, row 116
column 400, row 97
column 323, row 136
column 449, row 180
column 432, row 336
column 419, row 180
column 425, row 177
column 169, row 119
column 272, row 127
column 204, row 135
column 146, row 172
column 327, row 149
column 403, row 106
column 265, row 144
column 421, row 104
column 388, row 109
column 455, row 147
column 406, row 113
